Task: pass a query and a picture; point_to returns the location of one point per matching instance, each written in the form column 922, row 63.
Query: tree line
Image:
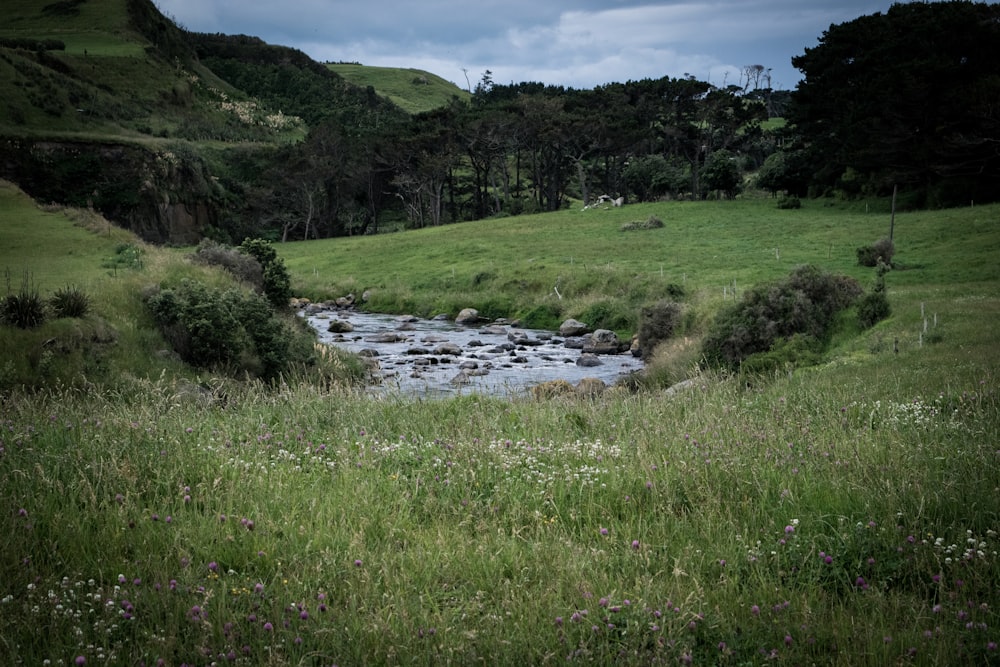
column 902, row 99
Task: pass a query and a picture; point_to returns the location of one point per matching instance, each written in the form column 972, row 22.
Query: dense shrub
column 789, row 202
column 872, row 309
column 69, row 302
column 24, row 309
column 803, row 303
column 658, row 323
column 226, row 330
column 243, row 266
column 799, row 350
column 277, row 284
column 870, row 255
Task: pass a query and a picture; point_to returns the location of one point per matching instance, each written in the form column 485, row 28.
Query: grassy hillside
column 96, row 27
column 581, row 264
column 126, row 74
column 61, row 248
column 45, row 251
column 840, row 514
column 410, row 89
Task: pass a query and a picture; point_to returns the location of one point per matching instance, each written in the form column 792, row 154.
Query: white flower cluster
column 576, row 462
column 912, row 413
column 972, row 549
column 250, row 113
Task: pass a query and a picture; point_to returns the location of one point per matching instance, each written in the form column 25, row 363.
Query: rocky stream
column 441, row 356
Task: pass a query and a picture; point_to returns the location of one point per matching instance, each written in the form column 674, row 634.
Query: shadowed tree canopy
column 907, row 97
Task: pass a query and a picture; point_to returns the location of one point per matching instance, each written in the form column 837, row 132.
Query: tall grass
column 806, row 522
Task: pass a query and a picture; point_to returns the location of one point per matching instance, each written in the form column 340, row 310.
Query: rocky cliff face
column 160, row 194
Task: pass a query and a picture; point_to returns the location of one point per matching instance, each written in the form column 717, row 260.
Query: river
column 437, row 357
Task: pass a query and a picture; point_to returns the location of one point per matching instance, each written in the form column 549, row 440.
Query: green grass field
column 412, row 90
column 842, row 514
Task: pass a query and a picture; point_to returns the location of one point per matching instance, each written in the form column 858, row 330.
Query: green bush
column 229, row 330
column 799, row 350
column 24, row 309
column 201, row 323
column 658, row 323
column 277, row 284
column 789, row 202
column 69, row 302
column 872, row 309
column 870, row 255
column 805, row 302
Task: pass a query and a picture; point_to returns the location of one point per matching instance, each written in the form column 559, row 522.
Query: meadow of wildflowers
column 805, row 522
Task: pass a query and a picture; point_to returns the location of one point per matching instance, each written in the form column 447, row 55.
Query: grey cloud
column 580, row 44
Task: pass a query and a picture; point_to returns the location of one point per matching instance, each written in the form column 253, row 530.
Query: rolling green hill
column 412, row 90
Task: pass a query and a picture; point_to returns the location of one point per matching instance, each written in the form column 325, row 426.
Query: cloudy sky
column 582, row 43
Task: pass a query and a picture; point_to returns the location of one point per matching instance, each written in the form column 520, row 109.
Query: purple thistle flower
column 268, row 627
column 755, row 610
column 604, row 531
column 635, row 544
column 80, row 660
column 213, row 566
column 357, row 563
